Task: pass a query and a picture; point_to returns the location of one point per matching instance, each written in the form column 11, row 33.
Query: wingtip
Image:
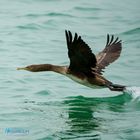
column 110, row 39
column 69, row 31
column 66, row 31
column 120, row 41
column 107, row 39
column 75, row 37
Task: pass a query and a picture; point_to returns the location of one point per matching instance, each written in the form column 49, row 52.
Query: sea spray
column 133, row 91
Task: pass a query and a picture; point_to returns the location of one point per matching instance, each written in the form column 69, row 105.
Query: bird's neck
column 50, row 67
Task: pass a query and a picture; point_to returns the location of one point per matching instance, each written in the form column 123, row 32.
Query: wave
column 134, row 92
column 88, row 8
column 30, row 26
column 51, row 14
column 132, row 31
column 59, row 14
column 43, row 92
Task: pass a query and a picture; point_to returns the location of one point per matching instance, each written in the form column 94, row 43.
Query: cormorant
column 85, row 68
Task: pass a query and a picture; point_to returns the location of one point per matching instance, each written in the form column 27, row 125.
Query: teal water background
column 50, row 106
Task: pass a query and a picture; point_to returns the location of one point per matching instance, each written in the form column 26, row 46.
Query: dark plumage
column 85, row 68
column 110, row 53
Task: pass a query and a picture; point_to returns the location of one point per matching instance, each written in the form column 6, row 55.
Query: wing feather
column 110, row 53
column 81, row 57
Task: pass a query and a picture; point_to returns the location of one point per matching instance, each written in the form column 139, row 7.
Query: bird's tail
column 116, row 87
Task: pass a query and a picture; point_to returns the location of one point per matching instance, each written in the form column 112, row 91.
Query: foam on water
column 133, row 91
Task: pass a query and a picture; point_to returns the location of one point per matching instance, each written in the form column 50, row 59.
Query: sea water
column 49, row 106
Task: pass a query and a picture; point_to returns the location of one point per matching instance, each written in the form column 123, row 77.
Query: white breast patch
column 82, row 81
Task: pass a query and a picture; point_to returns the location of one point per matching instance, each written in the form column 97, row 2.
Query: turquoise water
column 48, row 106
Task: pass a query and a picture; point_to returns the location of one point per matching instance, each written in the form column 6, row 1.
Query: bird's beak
column 25, row 68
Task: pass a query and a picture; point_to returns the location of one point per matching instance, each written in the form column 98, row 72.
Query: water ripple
column 31, row 26
column 59, row 14
column 50, row 14
column 43, row 92
column 88, row 8
column 132, row 31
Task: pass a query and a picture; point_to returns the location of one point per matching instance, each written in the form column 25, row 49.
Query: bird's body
column 85, row 68
column 85, row 81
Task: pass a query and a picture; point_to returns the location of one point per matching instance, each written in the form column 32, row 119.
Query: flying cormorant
column 85, row 67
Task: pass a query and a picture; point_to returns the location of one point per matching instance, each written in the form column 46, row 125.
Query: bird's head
column 32, row 68
column 36, row 68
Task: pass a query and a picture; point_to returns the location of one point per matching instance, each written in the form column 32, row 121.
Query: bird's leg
column 115, row 87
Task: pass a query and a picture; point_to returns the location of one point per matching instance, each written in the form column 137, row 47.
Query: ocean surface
column 49, row 106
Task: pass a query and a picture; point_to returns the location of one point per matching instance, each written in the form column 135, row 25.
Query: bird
column 85, row 67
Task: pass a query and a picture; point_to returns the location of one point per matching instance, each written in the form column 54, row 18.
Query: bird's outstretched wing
column 80, row 54
column 110, row 53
